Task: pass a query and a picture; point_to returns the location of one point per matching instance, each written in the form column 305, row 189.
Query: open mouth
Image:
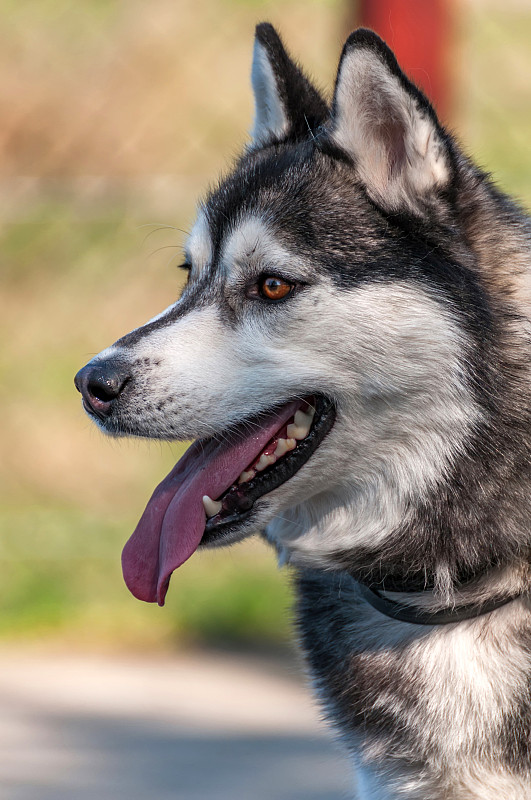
column 211, row 492
column 279, row 460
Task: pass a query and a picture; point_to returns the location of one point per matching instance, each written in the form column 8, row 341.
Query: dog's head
column 323, row 353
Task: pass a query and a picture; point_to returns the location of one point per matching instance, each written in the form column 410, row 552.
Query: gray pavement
column 165, row 728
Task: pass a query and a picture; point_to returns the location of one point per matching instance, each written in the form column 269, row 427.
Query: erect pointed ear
column 287, row 106
column 387, row 126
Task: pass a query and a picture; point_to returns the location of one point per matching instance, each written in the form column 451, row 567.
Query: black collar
column 442, row 616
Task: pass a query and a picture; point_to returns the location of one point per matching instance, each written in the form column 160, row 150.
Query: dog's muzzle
column 100, row 384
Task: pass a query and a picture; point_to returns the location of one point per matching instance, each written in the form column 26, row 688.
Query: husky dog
column 351, row 353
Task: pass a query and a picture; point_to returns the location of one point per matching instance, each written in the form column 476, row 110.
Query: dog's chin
column 237, row 530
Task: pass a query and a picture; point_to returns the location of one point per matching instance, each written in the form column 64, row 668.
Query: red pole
column 421, row 34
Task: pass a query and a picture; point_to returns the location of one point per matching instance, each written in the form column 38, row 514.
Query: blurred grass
column 116, row 117
column 61, row 576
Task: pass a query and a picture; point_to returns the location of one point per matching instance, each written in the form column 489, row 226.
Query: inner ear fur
column 287, row 105
column 387, row 126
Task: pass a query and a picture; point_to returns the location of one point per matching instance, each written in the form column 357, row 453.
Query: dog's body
column 356, row 263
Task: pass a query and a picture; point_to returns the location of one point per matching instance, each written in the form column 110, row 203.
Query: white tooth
column 298, row 431
column 304, row 417
column 247, row 476
column 284, row 446
column 212, row 507
column 302, row 422
column 264, row 462
column 281, row 448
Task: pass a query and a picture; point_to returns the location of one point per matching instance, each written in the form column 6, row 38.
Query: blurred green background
column 115, row 117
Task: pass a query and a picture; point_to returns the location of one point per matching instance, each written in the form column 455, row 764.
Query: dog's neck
column 452, row 698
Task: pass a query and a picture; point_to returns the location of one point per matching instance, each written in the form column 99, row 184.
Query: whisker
column 166, row 247
column 157, row 227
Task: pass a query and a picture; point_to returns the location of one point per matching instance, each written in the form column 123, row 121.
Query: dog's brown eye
column 273, row 288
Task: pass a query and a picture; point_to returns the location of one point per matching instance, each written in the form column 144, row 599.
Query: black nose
column 100, row 384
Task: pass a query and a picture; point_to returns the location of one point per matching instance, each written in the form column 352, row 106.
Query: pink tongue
column 173, row 522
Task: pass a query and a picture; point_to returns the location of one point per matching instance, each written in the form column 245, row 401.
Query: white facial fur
column 387, row 355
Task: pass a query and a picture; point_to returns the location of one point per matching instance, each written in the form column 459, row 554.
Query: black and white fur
column 413, row 314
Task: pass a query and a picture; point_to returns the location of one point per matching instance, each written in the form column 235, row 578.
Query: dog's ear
column 387, row 126
column 287, row 106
